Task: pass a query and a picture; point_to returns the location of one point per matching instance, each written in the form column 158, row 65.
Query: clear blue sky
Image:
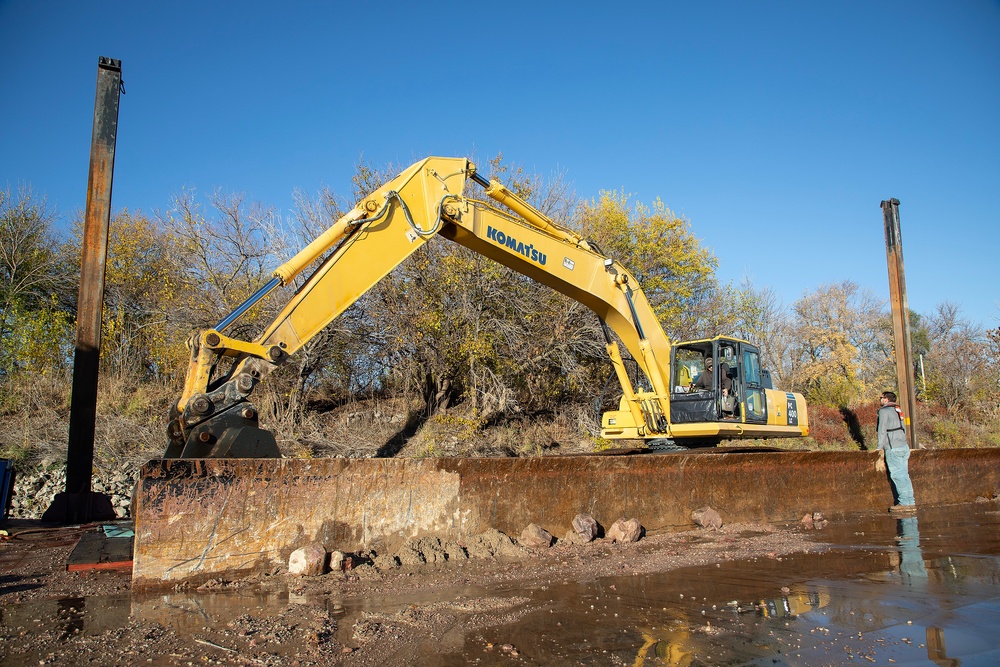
column 776, row 128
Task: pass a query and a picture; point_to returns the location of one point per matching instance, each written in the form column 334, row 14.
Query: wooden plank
column 95, row 551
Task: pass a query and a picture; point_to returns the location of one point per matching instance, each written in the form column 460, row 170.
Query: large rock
column 585, row 527
column 535, row 537
column 625, row 530
column 307, row 561
column 706, row 517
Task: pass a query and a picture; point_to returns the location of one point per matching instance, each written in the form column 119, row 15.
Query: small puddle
column 68, row 617
column 914, row 591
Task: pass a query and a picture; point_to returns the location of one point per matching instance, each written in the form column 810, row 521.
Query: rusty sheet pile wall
column 200, row 519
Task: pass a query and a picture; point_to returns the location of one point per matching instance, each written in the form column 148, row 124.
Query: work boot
column 903, row 509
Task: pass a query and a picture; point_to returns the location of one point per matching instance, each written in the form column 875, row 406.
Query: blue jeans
column 897, row 460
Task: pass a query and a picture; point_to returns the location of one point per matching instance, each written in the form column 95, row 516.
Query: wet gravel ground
column 863, row 590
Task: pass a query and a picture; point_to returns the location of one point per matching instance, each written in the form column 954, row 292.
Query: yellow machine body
column 215, row 418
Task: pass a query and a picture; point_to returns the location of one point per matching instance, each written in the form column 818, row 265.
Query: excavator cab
column 717, row 391
column 725, row 382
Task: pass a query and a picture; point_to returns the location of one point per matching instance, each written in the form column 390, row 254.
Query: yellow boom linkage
column 215, row 418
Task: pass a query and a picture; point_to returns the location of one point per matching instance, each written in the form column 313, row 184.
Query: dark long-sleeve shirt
column 707, row 379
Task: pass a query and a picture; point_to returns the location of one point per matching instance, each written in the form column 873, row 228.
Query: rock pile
column 34, row 491
column 429, row 550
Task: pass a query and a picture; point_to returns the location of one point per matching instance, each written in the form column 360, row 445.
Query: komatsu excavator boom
column 682, row 401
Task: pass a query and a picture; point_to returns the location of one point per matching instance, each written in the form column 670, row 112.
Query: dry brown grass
column 34, row 423
column 34, row 418
column 397, row 427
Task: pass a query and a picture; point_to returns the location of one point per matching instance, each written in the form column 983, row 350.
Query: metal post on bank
column 900, row 317
column 79, row 504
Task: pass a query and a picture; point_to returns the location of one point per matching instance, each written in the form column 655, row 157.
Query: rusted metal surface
column 198, row 519
column 80, row 453
column 900, row 316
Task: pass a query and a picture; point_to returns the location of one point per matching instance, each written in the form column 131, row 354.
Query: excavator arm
column 216, row 418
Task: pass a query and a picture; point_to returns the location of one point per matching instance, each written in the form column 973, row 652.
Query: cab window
column 755, row 401
column 751, row 368
column 689, row 364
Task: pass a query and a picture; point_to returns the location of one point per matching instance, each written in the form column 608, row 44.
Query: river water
column 921, row 590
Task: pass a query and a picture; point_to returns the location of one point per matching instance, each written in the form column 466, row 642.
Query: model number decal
column 793, row 412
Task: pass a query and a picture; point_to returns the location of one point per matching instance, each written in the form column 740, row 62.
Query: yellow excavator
column 678, row 401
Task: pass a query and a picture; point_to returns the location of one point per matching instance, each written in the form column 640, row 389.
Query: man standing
column 892, row 442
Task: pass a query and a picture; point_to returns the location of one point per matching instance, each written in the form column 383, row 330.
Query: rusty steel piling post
column 79, row 503
column 900, row 316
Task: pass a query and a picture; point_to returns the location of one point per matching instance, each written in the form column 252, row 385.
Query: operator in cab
column 706, row 381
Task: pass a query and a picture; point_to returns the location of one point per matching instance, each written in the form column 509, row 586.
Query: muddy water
column 923, row 590
column 915, row 591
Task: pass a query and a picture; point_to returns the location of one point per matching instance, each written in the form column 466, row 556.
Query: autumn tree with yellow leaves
column 838, row 349
column 660, row 250
column 36, row 284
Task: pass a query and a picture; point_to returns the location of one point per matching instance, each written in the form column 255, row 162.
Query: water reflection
column 793, row 605
column 68, row 616
column 189, row 611
column 911, row 558
column 913, row 571
column 936, row 650
column 872, row 598
column 686, row 639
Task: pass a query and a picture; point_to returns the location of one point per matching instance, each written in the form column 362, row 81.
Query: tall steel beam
column 900, row 317
column 79, row 504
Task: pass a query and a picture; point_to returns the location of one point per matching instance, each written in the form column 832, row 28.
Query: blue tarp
column 117, row 531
